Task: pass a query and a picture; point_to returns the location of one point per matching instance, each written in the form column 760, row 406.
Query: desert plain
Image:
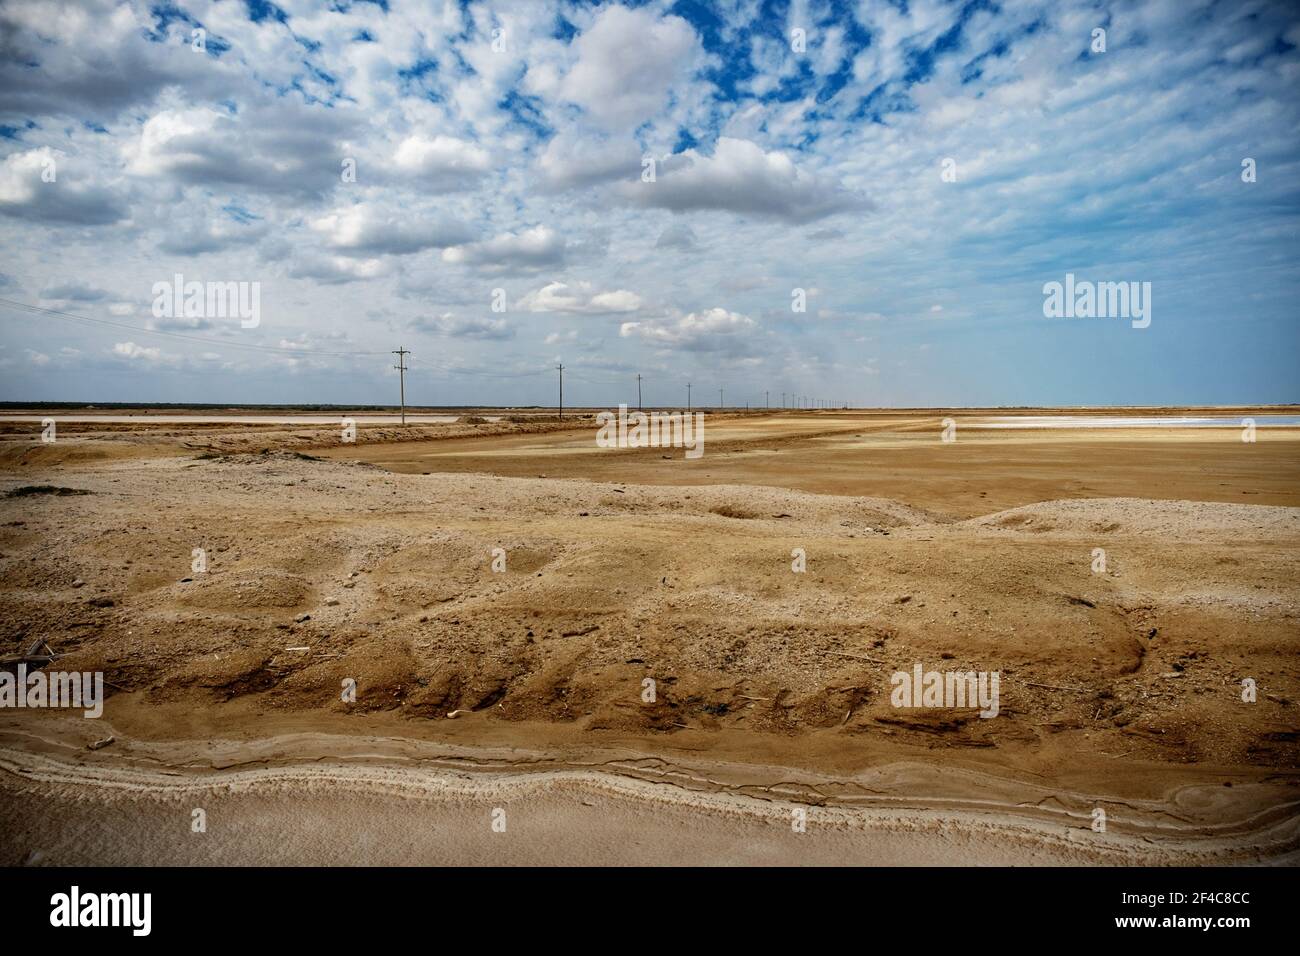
column 567, row 654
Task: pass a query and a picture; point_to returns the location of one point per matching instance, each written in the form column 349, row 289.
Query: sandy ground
column 1120, row 690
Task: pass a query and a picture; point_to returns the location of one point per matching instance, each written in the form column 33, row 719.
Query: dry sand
column 1119, row 690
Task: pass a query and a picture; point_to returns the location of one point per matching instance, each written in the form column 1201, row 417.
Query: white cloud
column 628, row 63
column 47, row 185
column 279, row 149
column 464, row 328
column 570, row 162
column 363, row 231
column 137, row 353
column 532, row 249
column 741, row 177
column 712, row 330
column 334, row 270
column 443, row 163
column 580, row 297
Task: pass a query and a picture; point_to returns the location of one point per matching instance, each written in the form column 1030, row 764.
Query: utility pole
column 719, row 399
column 401, row 354
column 688, row 398
column 561, row 368
column 638, row 391
column 765, row 405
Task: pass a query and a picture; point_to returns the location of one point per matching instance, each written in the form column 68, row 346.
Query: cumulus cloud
column 97, row 58
column 464, row 328
column 742, row 178
column 42, row 185
column 579, row 297
column 336, row 270
column 628, row 63
column 533, row 249
column 443, row 163
column 138, row 353
column 362, row 231
column 279, row 149
column 571, row 162
column 712, row 330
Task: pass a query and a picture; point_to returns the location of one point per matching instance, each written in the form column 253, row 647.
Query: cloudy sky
column 501, row 152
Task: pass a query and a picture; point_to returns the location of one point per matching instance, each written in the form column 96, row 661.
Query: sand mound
column 1140, row 517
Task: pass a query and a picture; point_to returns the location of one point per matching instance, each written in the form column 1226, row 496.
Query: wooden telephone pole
column 561, row 368
column 401, row 354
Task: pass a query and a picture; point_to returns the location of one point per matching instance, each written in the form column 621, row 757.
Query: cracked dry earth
column 1124, row 685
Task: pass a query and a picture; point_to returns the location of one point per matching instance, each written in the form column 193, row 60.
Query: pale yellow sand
column 1120, row 689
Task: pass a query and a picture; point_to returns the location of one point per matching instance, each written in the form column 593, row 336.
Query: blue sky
column 499, row 152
